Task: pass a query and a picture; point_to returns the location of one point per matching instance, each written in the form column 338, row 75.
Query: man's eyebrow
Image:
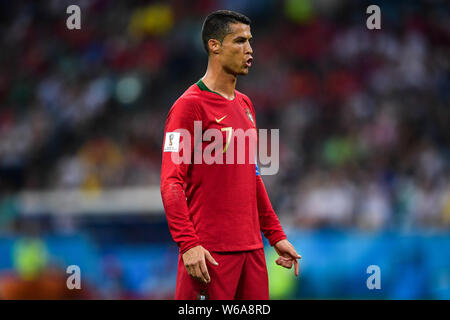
column 242, row 38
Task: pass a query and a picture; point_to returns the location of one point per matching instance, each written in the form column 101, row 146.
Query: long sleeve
column 268, row 220
column 173, row 175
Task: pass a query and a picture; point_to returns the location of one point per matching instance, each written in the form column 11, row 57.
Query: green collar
column 203, row 87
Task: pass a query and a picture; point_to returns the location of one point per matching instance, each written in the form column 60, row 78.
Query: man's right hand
column 195, row 262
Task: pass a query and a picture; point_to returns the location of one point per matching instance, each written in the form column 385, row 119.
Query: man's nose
column 249, row 49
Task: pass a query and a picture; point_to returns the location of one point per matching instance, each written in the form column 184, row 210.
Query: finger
column 199, row 274
column 192, row 272
column 284, row 263
column 204, row 271
column 296, row 267
column 285, row 260
column 189, row 270
column 294, row 253
column 210, row 258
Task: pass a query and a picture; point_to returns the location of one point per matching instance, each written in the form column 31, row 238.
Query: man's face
column 236, row 52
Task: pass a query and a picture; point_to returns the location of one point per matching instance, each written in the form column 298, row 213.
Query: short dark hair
column 216, row 25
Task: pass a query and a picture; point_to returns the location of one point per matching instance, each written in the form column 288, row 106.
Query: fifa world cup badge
column 250, row 116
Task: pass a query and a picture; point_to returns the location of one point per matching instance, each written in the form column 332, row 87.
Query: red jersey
column 223, row 207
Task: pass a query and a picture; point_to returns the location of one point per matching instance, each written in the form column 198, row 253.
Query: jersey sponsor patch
column 172, row 142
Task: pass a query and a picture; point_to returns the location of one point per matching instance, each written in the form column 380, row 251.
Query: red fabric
column 239, row 276
column 215, row 205
column 268, row 221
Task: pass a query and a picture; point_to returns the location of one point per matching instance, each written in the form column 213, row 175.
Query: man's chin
column 243, row 72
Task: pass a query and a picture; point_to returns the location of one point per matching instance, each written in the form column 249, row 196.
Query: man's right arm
column 173, row 176
column 181, row 116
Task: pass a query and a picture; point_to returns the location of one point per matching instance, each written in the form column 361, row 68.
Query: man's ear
column 214, row 46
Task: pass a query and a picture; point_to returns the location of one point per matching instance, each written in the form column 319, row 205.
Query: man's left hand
column 288, row 255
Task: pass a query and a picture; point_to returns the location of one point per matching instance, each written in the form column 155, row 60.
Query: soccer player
column 216, row 212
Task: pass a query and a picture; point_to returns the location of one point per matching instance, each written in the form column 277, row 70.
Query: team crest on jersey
column 250, row 116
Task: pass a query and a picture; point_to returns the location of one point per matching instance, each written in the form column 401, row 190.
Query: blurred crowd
column 363, row 115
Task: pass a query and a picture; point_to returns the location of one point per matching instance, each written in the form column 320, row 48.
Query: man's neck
column 220, row 82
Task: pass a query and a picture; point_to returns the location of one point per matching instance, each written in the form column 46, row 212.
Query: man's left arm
column 268, row 220
column 269, row 223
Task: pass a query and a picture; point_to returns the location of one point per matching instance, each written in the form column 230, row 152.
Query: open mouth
column 249, row 62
